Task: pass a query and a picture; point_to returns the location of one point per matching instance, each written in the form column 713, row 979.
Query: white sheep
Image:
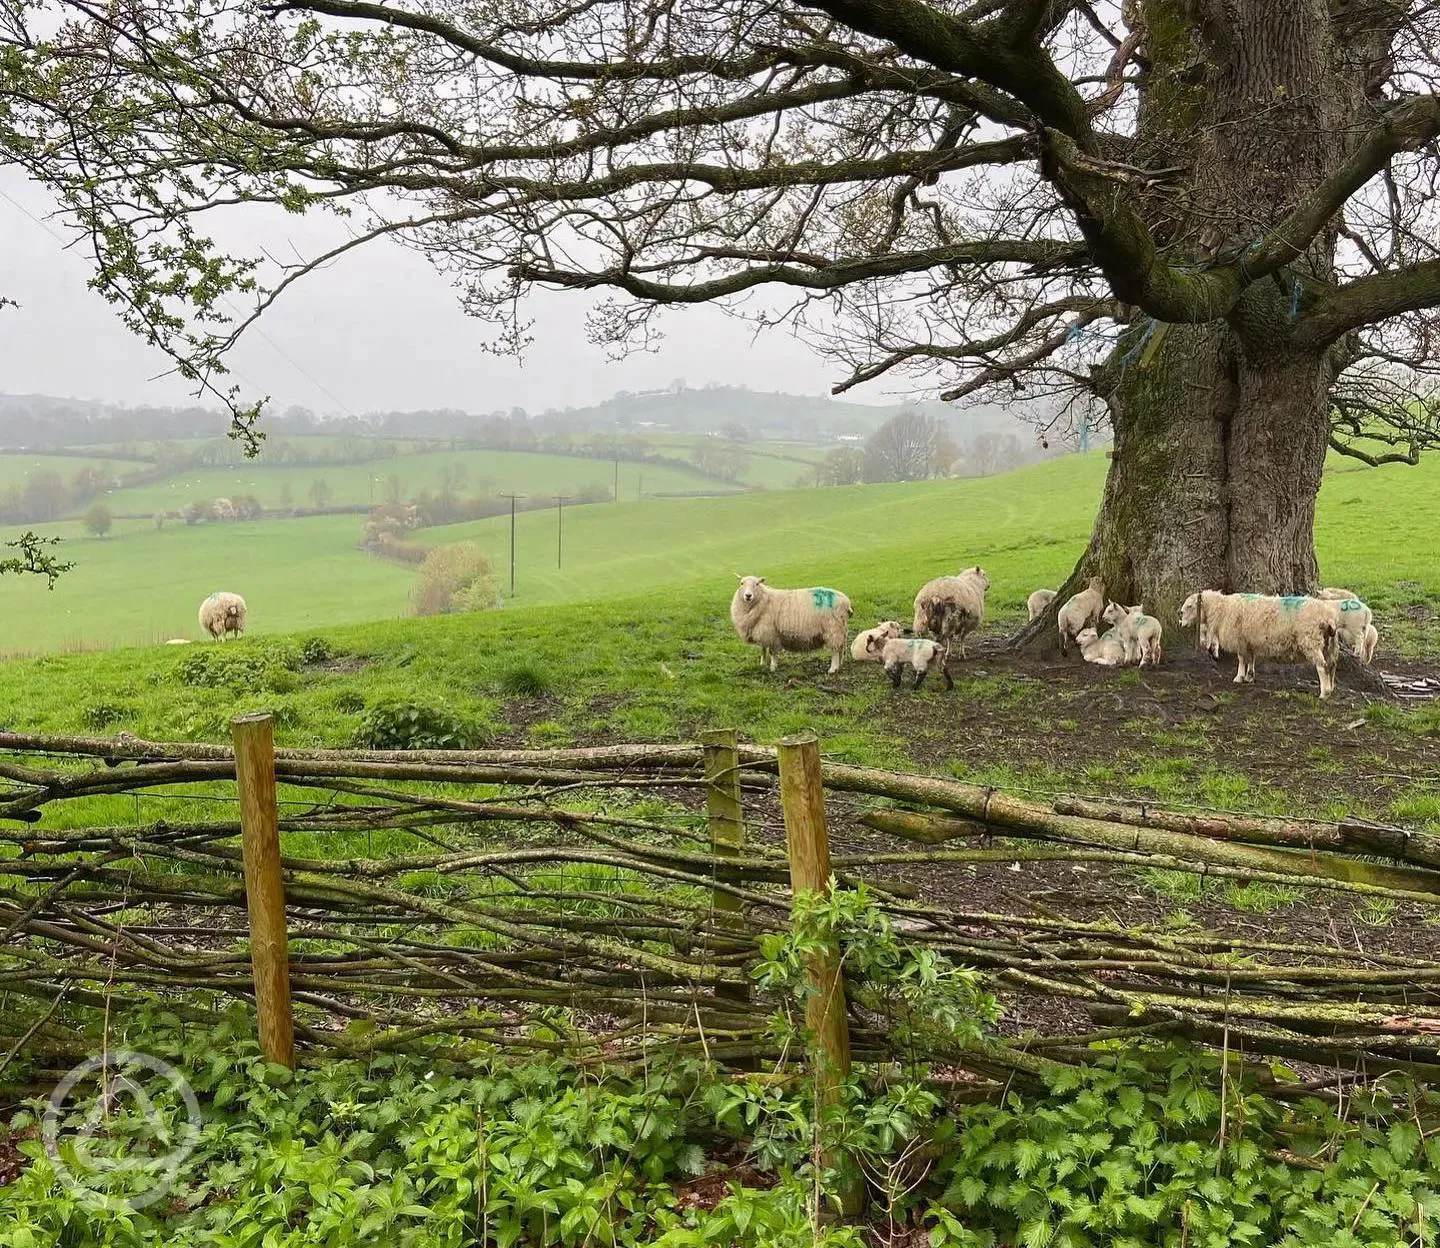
column 1357, row 623
column 1335, row 595
column 920, row 654
column 1138, row 632
column 1081, row 612
column 1106, row 649
column 860, row 649
column 950, row 608
column 222, row 614
column 1252, row 626
column 790, row 619
column 1038, row 601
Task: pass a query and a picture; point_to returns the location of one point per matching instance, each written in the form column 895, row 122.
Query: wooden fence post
column 727, row 825
column 802, row 794
column 254, row 740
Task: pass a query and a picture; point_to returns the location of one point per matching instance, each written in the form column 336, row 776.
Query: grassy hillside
column 517, row 472
column 1375, row 532
column 17, row 469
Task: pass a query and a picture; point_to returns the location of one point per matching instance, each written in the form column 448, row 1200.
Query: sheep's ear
column 760, row 580
column 738, row 577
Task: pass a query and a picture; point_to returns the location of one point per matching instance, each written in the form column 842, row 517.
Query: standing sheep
column 222, row 614
column 860, row 649
column 1038, row 601
column 1251, row 626
column 1357, row 623
column 790, row 619
column 920, row 654
column 1140, row 633
column 950, row 608
column 1082, row 611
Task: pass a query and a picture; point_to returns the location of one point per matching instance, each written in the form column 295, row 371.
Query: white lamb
column 1105, row 649
column 1252, row 626
column 223, row 614
column 1081, row 612
column 920, row 654
column 1038, row 601
column 1357, row 623
column 860, row 649
column 950, row 608
column 1138, row 632
column 790, row 619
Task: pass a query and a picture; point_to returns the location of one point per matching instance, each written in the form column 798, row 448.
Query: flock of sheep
column 948, row 609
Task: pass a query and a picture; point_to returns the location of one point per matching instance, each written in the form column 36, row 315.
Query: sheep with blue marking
column 1138, row 632
column 922, row 655
column 1357, row 623
column 790, row 619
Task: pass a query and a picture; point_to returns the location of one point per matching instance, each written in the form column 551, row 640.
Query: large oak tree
column 1210, row 220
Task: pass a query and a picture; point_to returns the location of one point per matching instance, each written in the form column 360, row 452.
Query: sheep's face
column 876, row 642
column 977, row 573
column 1114, row 613
column 1085, row 636
column 750, row 589
column 1189, row 610
column 1097, row 586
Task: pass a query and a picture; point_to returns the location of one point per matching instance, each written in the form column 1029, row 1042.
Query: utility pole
column 512, row 498
column 560, row 501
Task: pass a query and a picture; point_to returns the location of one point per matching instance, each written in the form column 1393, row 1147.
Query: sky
column 379, row 330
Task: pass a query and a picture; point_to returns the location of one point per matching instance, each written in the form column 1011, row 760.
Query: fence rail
column 597, row 902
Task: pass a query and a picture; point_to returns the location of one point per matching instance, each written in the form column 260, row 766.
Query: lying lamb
column 1252, row 627
column 860, row 649
column 790, row 619
column 921, row 654
column 1081, row 612
column 1107, row 650
column 950, row 608
column 1138, row 632
column 1038, row 601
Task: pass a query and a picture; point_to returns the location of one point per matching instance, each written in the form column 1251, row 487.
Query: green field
column 17, row 469
column 520, row 472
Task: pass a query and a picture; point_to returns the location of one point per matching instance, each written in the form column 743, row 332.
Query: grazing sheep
column 860, row 649
column 950, row 608
column 1252, row 626
column 1081, row 612
column 222, row 614
column 922, row 655
column 1140, row 633
column 1108, row 650
column 1038, row 601
column 790, row 619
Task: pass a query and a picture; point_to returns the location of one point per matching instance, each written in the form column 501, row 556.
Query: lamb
column 790, row 619
column 1357, row 623
column 222, row 614
column 1038, row 601
column 1108, row 650
column 1335, row 595
column 921, row 654
column 1083, row 611
column 1138, row 632
column 860, row 649
column 950, row 608
column 1251, row 626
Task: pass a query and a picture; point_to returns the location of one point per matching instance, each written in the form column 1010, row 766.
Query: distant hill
column 41, row 422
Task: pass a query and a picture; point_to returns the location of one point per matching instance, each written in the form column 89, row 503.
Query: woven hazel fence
column 599, row 902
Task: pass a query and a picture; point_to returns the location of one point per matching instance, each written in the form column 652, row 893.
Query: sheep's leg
column 774, row 662
column 894, row 674
column 1240, row 672
column 1063, row 639
column 834, row 661
column 920, row 674
column 945, row 676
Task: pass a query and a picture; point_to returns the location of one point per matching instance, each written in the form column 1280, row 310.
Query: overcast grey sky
column 380, row 329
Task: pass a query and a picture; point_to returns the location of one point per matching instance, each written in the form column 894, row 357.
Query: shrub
column 349, row 701
column 414, row 726
column 98, row 520
column 453, row 576
column 101, row 715
column 316, row 650
column 267, row 666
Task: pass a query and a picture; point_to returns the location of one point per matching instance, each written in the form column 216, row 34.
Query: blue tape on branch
column 1139, row 346
column 1074, row 332
column 1295, row 298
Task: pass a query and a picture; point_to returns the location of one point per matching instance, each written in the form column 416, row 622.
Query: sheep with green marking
column 1138, row 632
column 790, row 619
column 1357, row 623
column 1104, row 649
column 922, row 655
column 1256, row 626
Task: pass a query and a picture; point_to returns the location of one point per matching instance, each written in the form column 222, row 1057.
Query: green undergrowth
column 1150, row 1148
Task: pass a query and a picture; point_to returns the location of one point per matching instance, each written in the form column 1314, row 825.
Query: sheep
column 860, row 649
column 178, row 641
column 790, row 619
column 1372, row 639
column 1140, row 633
column 222, row 614
column 921, row 654
column 1081, row 612
column 950, row 608
column 1106, row 649
column 1251, row 626
column 1038, row 601
column 1357, row 623
column 1335, row 595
